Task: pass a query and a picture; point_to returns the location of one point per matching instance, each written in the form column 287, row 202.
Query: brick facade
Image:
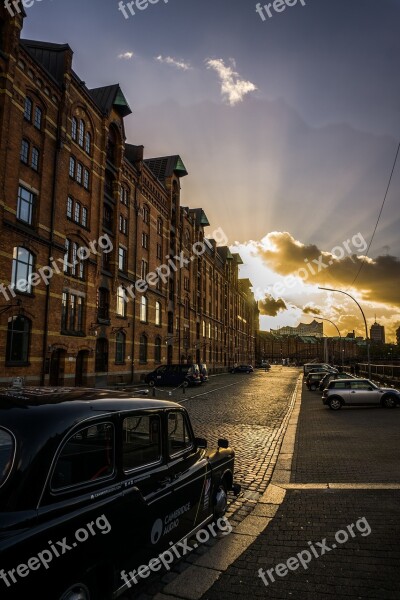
column 82, row 207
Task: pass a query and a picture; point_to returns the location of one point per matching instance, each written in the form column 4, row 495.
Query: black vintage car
column 94, row 482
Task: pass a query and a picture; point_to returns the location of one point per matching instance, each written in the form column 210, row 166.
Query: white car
column 358, row 391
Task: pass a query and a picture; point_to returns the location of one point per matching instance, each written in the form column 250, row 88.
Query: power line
column 379, row 217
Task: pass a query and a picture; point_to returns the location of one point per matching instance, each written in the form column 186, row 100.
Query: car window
column 360, row 385
column 179, row 437
column 6, row 454
column 141, row 441
column 338, row 385
column 86, row 457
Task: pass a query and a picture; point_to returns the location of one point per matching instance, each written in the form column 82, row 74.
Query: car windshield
column 6, row 454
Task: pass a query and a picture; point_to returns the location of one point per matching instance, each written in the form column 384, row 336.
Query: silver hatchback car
column 358, row 391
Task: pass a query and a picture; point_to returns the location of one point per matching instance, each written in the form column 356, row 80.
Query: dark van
column 182, row 374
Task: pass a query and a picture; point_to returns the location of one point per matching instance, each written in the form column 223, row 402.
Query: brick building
column 103, row 274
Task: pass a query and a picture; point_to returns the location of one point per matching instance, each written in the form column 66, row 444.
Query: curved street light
column 336, row 327
column 365, row 322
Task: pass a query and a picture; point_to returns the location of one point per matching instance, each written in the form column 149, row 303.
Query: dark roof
column 166, row 166
column 200, row 217
column 110, row 96
column 50, row 56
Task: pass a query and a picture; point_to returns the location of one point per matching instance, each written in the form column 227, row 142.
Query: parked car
column 313, row 379
column 203, row 373
column 174, row 375
column 242, row 369
column 330, row 376
column 358, row 391
column 93, row 482
column 307, row 367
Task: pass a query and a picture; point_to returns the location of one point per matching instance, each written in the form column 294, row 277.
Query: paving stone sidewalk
column 365, row 566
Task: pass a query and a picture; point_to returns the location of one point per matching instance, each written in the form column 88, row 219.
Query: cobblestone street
column 249, row 410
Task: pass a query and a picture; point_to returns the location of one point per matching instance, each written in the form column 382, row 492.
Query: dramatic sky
column 288, row 127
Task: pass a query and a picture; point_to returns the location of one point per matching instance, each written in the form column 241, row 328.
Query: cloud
column 173, row 62
column 269, row 306
column 233, row 89
column 311, row 309
column 126, row 55
column 378, row 281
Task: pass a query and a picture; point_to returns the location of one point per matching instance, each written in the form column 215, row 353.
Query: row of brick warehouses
column 84, row 220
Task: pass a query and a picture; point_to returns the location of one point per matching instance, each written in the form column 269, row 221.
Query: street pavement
column 250, row 411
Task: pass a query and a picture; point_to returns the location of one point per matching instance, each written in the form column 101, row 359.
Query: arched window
column 121, row 301
column 81, row 133
column 143, row 348
column 143, row 309
column 74, row 128
column 157, row 350
column 28, row 109
column 38, row 117
column 88, row 142
column 158, row 313
column 22, row 267
column 120, row 346
column 18, row 333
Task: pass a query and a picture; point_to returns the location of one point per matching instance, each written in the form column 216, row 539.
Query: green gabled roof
column 111, row 96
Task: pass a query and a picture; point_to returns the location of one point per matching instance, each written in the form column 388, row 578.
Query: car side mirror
column 200, row 442
column 223, row 443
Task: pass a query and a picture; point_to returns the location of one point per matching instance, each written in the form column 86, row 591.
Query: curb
column 197, row 579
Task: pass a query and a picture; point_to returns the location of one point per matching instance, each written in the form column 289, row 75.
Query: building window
column 73, row 264
column 86, row 179
column 38, row 118
column 18, row 334
column 35, row 159
column 143, row 309
column 88, row 143
column 22, row 267
column 107, row 217
column 25, row 206
column 124, row 195
column 28, row 109
column 144, row 269
column 24, row 155
column 84, row 221
column 103, row 304
column 146, row 215
column 186, row 308
column 121, row 301
column 157, row 350
column 79, row 170
column 159, row 251
column 145, row 241
column 143, row 349
column 204, row 328
column 186, row 284
column 159, row 226
column 120, row 347
column 122, row 256
column 158, row 313
column 81, row 133
column 74, row 129
column 72, row 313
column 72, row 163
column 70, row 203
column 123, row 225
column 106, row 260
column 77, row 212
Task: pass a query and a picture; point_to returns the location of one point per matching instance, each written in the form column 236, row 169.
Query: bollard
column 183, row 389
column 154, row 391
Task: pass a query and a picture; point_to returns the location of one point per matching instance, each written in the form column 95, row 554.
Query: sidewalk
column 344, row 470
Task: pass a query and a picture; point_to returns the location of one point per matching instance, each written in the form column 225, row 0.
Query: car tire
column 313, row 387
column 152, row 383
column 335, row 403
column 220, row 503
column 185, row 383
column 78, row 591
column 248, row 371
column 389, row 402
column 233, row 371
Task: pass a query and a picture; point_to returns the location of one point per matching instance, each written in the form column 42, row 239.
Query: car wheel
column 313, row 387
column 389, row 402
column 335, row 403
column 247, row 371
column 152, row 383
column 78, row 591
column 185, row 383
column 233, row 371
column 220, row 500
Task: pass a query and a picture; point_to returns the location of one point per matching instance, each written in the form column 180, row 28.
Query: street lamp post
column 332, row 323
column 365, row 322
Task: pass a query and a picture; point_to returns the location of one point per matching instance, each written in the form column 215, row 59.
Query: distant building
column 398, row 336
column 377, row 333
column 316, row 329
